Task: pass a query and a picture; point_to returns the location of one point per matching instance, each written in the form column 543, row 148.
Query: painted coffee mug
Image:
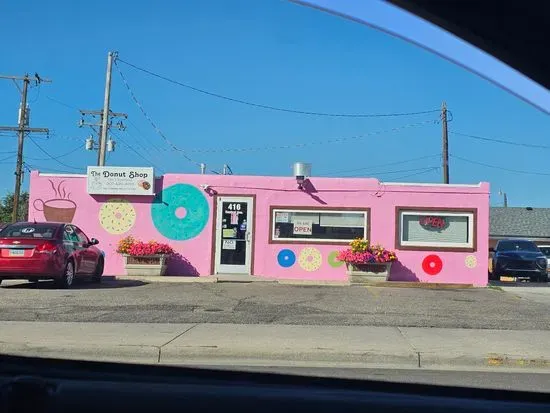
column 56, row 210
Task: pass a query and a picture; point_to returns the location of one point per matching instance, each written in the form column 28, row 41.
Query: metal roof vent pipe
column 301, row 171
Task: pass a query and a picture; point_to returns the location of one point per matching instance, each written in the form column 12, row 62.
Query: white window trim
column 318, row 211
column 469, row 244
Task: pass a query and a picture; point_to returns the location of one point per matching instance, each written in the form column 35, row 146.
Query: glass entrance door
column 234, row 230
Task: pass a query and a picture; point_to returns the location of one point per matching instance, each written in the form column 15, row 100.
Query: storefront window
column 436, row 229
column 299, row 225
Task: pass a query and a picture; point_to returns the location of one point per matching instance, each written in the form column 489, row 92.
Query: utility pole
column 445, row 136
column 505, row 198
column 22, row 128
column 105, row 115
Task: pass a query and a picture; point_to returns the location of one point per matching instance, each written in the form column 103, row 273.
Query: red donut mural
column 432, row 264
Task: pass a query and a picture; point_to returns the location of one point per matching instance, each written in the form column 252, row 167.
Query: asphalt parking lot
column 507, row 307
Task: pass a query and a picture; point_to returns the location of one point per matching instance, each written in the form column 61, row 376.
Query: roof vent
column 529, row 208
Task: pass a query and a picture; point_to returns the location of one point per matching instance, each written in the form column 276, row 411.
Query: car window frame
column 84, row 239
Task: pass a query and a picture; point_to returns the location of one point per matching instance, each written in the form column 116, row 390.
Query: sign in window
column 436, row 229
column 295, row 225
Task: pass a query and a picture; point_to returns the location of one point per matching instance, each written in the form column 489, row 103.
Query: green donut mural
column 180, row 212
column 332, row 261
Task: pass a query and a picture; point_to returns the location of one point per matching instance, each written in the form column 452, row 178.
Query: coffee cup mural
column 58, row 209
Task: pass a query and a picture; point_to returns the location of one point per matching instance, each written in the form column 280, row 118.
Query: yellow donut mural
column 470, row 261
column 310, row 259
column 117, row 216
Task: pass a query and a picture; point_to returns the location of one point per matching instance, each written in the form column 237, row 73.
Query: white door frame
column 248, row 236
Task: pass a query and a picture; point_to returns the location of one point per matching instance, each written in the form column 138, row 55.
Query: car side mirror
column 491, row 250
column 94, row 241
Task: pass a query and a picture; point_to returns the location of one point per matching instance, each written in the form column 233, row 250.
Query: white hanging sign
column 120, row 180
column 303, row 227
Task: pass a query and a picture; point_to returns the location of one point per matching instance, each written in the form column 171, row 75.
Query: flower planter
column 368, row 273
column 145, row 265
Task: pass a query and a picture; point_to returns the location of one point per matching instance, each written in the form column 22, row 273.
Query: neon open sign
column 433, row 223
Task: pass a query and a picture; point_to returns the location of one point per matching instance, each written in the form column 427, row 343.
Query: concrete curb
column 200, row 356
column 240, row 279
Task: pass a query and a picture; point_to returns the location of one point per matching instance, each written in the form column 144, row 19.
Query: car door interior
column 74, row 246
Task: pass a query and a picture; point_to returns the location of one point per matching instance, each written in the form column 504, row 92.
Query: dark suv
column 519, row 258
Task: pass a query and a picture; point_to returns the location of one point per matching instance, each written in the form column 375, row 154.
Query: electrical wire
column 435, row 168
column 497, row 140
column 424, row 168
column 382, row 165
column 48, row 169
column 118, row 137
column 274, row 108
column 51, row 156
column 152, row 123
column 62, row 103
column 137, row 153
column 311, row 143
column 56, row 157
column 8, row 158
column 499, row 167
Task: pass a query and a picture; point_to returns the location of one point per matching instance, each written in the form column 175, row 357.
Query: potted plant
column 144, row 258
column 366, row 262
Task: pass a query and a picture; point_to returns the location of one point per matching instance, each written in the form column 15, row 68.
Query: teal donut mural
column 180, row 212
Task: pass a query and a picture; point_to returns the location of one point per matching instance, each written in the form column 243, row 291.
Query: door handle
column 248, row 236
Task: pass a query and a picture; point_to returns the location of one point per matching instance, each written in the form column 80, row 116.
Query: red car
column 45, row 251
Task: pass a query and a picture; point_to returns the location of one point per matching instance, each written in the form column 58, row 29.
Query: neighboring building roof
column 514, row 222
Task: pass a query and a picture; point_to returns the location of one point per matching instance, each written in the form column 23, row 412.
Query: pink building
column 269, row 227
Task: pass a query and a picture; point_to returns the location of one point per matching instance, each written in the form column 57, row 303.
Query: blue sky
column 270, row 52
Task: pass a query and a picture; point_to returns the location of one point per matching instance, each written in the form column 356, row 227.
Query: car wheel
column 67, row 278
column 495, row 276
column 543, row 278
column 98, row 271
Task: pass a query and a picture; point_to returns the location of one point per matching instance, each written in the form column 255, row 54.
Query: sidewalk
column 279, row 345
column 229, row 278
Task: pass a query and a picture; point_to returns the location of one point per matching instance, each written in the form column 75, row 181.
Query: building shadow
column 179, row 266
column 78, row 284
column 400, row 272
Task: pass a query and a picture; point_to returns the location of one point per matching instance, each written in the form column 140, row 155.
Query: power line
column 275, row 108
column 118, row 137
column 153, row 124
column 498, row 140
column 435, row 168
column 61, row 103
column 385, row 164
column 424, row 168
column 57, row 157
column 320, row 142
column 499, row 167
column 146, row 115
column 48, row 169
column 53, row 158
column 137, row 153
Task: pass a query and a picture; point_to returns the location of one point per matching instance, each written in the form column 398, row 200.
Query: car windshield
column 517, row 246
column 263, row 184
column 28, row 231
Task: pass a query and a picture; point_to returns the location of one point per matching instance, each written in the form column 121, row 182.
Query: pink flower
column 373, row 254
column 140, row 248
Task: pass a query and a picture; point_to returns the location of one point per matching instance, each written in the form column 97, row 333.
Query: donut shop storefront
column 270, row 226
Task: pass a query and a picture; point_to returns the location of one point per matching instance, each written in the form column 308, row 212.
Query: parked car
column 519, row 258
column 48, row 251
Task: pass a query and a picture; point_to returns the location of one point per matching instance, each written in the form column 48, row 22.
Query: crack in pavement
column 175, row 338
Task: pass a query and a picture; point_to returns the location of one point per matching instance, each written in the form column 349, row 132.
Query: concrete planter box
column 154, row 265
column 368, row 273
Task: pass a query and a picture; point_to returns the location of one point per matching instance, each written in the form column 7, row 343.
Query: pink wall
column 97, row 217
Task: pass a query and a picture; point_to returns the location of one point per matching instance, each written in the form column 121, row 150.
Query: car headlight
column 541, row 262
